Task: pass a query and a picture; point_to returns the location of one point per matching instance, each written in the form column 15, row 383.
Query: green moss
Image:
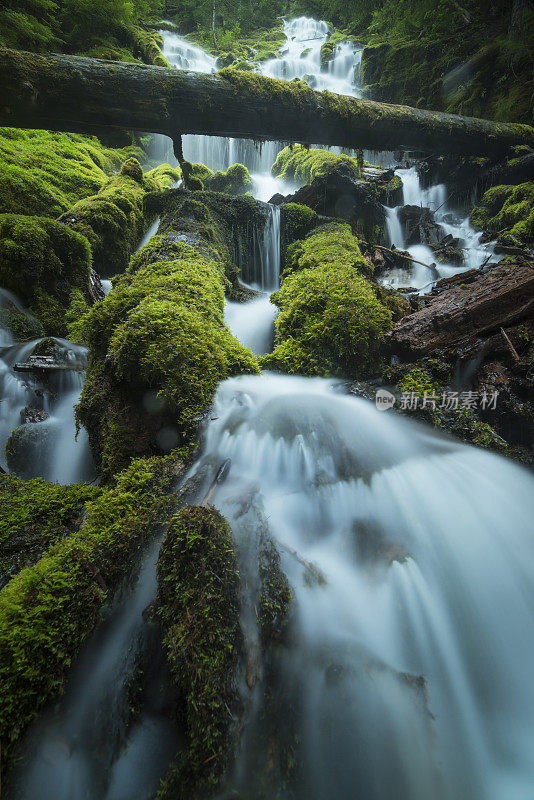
column 113, row 219
column 418, row 380
column 198, row 607
column 160, row 331
column 21, row 325
column 330, row 320
column 148, row 43
column 48, row 610
column 509, row 211
column 33, row 515
column 301, row 164
column 41, row 261
column 465, row 424
column 75, row 317
column 46, row 173
column 236, row 180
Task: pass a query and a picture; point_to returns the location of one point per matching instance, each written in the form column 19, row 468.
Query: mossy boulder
column 33, row 515
column 198, row 609
column 159, row 343
column 331, row 321
column 509, row 212
column 30, row 449
column 46, row 173
column 300, row 164
column 49, row 609
column 42, row 261
column 296, row 221
column 113, row 220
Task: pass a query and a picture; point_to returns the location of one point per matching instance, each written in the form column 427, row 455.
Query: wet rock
column 29, row 450
column 420, row 226
column 341, row 194
column 32, row 414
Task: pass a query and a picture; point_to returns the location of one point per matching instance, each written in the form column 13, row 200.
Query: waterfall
column 252, row 322
column 50, row 449
column 300, row 58
column 451, row 221
column 425, row 547
column 409, row 665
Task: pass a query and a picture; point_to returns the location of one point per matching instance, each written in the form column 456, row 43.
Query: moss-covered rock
column 46, row 173
column 33, row 515
column 236, row 180
column 301, row 164
column 508, row 211
column 42, row 261
column 113, row 220
column 148, row 44
column 296, row 221
column 331, row 321
column 159, row 343
column 198, row 608
column 48, row 609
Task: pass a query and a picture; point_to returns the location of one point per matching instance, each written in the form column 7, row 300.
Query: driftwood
column 74, row 93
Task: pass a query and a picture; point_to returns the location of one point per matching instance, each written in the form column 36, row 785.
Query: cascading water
column 252, row 322
column 409, row 666
column 51, row 448
column 300, row 58
column 451, row 222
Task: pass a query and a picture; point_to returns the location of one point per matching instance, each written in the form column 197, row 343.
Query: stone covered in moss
column 46, row 173
column 159, row 343
column 302, row 165
column 331, row 321
column 508, row 211
column 296, row 221
column 236, row 180
column 113, row 219
column 48, row 610
column 41, row 261
column 198, row 607
column 33, row 515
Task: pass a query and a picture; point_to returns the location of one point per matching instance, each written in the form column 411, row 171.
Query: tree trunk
column 73, row 93
column 213, row 27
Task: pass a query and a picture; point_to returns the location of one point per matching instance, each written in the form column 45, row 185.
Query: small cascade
column 394, row 228
column 452, row 222
column 252, row 322
column 49, row 447
column 72, row 754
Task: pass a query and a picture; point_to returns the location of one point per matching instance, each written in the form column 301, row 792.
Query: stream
column 410, row 663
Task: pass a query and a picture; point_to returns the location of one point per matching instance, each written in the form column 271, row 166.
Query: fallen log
column 467, row 310
column 78, row 94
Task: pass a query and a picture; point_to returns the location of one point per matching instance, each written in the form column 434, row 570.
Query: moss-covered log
column 49, row 609
column 73, row 93
column 332, row 318
column 159, row 345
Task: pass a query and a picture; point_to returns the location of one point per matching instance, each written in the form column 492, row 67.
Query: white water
column 452, row 222
column 55, row 452
column 459, row 611
column 342, row 77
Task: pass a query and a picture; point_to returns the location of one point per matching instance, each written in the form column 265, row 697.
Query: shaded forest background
column 466, row 56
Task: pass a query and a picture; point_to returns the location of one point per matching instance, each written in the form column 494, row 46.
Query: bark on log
column 469, row 309
column 74, row 93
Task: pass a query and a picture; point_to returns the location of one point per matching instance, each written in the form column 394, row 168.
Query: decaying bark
column 74, row 93
column 468, row 312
